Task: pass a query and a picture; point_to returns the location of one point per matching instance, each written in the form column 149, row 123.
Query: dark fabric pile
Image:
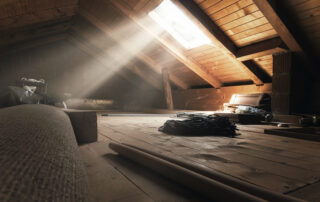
column 200, row 125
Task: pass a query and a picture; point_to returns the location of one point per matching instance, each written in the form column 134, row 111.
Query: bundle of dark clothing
column 200, row 125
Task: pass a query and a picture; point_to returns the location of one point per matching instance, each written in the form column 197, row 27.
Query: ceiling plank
column 165, row 43
column 210, row 27
column 267, row 47
column 266, row 8
column 129, row 50
column 219, row 38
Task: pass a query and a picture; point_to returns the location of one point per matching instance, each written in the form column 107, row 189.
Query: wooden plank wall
column 213, row 99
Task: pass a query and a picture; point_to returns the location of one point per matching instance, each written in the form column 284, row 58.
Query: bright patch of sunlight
column 179, row 25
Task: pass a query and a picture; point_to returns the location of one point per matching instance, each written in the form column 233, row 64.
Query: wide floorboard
column 277, row 163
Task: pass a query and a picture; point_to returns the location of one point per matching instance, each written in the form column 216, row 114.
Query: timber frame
column 57, row 23
column 241, row 57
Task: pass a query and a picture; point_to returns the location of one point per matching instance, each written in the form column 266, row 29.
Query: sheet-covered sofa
column 39, row 157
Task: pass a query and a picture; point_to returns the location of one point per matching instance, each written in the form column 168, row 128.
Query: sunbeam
column 127, row 41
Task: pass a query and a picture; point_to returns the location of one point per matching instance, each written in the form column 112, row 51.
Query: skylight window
column 179, row 25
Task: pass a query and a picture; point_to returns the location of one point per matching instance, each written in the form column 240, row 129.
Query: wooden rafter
column 143, row 57
column 266, row 8
column 218, row 37
column 178, row 54
column 267, row 47
column 258, row 71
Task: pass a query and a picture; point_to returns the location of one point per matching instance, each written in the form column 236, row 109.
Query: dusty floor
column 280, row 164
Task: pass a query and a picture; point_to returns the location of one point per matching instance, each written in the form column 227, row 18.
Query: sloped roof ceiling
column 242, row 24
column 22, row 21
column 306, row 13
column 19, row 13
column 241, row 20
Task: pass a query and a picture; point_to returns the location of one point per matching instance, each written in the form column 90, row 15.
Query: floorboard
column 277, row 163
column 113, row 178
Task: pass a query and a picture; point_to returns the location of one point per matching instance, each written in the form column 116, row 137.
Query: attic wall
column 52, row 62
column 314, row 97
column 67, row 69
column 213, row 99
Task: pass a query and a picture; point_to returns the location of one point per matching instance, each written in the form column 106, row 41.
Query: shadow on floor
column 156, row 186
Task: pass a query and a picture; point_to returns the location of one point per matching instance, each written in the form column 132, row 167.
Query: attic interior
column 159, row 100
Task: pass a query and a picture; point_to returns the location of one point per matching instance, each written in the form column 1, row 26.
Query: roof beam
column 268, row 11
column 291, row 33
column 128, row 50
column 258, row 71
column 171, row 48
column 219, row 38
column 267, row 47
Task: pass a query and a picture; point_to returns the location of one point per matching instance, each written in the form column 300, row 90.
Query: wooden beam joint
column 258, row 71
column 267, row 47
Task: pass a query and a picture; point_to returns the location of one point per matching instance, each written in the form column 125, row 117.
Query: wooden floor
column 277, row 163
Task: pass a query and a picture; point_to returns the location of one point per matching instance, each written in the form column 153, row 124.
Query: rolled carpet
column 39, row 157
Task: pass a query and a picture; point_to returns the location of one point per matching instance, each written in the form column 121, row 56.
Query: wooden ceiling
column 29, row 23
column 19, row 13
column 306, row 14
column 245, row 34
column 241, row 20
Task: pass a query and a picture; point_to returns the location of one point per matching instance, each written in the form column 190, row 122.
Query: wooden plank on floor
column 105, row 166
column 263, row 179
column 190, row 148
column 280, row 173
